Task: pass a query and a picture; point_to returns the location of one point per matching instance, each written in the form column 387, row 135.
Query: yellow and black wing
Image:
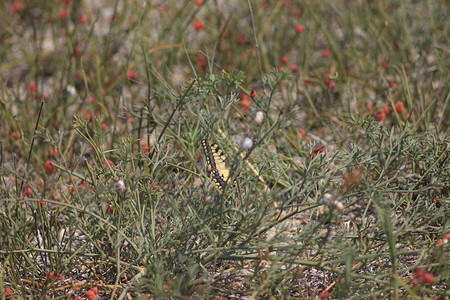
column 216, row 160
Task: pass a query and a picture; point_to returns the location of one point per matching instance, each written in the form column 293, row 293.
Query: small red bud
column 49, row 166
column 63, row 14
column 299, row 28
column 83, row 19
column 399, row 107
column 428, row 278
column 198, row 25
column 326, row 53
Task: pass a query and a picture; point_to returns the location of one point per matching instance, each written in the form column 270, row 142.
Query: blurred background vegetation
column 343, row 192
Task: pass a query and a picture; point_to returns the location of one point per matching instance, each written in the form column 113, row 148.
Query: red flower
column 302, row 132
column 284, row 60
column 48, row 166
column 27, row 192
column 104, row 126
column 253, row 94
column 8, row 292
column 245, row 102
column 145, row 148
column 108, row 163
column 332, row 84
column 32, row 87
column 379, row 116
column 95, row 290
column 324, row 295
column 132, row 75
column 294, row 68
column 419, row 272
column 415, row 282
column 17, row 6
column 63, row 14
column 90, row 295
column 279, row 69
column 66, row 2
column 129, row 119
column 428, row 277
column 399, row 107
column 298, row 13
column 383, row 64
column 299, row 28
column 240, row 39
column 319, row 149
column 92, row 100
column 393, row 84
column 15, row 135
column 198, row 2
column 54, row 151
column 50, row 275
column 326, row 53
column 77, row 51
column 202, row 61
column 83, row 19
column 198, row 25
column 369, row 106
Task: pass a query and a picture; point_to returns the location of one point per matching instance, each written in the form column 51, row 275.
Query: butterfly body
column 216, row 160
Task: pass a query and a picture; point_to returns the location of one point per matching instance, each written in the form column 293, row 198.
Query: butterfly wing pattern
column 215, row 159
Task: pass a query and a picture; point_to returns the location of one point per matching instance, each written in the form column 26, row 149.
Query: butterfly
column 216, row 160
